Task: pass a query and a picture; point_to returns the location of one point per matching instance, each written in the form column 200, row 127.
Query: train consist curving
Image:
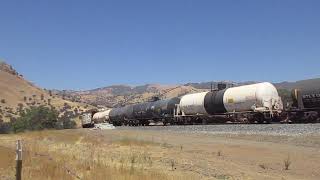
column 256, row 103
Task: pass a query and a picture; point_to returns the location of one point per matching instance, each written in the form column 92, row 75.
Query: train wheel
column 268, row 121
column 164, row 123
column 258, row 118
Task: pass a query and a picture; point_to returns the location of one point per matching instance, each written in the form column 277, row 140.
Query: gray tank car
column 142, row 113
column 122, row 115
column 310, row 98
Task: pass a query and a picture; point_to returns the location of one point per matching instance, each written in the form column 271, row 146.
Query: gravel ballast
column 261, row 129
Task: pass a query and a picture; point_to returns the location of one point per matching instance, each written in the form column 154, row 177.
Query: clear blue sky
column 77, row 44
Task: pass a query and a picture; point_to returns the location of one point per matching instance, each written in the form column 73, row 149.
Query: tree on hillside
column 66, row 123
column 20, row 107
column 36, row 118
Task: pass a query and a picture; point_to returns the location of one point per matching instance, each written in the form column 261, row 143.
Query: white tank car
column 261, row 97
column 193, row 104
column 256, row 97
column 101, row 116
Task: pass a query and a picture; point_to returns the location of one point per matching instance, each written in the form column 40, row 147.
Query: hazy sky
column 77, row 44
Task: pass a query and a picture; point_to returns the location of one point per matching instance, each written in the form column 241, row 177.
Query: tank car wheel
column 268, row 121
column 136, row 123
column 258, row 118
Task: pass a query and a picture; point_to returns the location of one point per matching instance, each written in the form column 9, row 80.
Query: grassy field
column 79, row 155
column 134, row 154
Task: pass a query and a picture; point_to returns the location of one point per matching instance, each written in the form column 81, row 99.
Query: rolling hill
column 120, row 95
column 17, row 93
column 309, row 83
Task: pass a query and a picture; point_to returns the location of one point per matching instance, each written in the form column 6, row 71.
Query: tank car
column 102, row 116
column 163, row 110
column 89, row 119
column 257, row 102
column 305, row 107
column 143, row 113
column 121, row 116
column 306, row 98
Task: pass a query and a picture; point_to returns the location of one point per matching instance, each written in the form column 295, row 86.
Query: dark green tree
column 36, row 118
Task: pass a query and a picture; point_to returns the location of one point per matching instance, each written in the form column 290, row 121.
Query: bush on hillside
column 20, row 107
column 35, row 118
column 39, row 118
column 65, row 123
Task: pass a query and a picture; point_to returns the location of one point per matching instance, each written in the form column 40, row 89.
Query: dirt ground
column 134, row 154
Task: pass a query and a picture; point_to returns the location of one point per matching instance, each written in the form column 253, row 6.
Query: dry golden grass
column 131, row 154
column 78, row 155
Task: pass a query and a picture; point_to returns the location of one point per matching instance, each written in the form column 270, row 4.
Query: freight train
column 256, row 103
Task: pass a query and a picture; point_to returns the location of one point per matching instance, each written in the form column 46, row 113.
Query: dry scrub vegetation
column 75, row 155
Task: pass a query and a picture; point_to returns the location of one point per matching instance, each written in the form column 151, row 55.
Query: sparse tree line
column 38, row 118
column 33, row 115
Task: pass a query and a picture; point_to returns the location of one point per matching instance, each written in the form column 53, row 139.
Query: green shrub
column 36, row 118
column 66, row 123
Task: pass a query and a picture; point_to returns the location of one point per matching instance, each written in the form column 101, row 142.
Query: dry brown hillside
column 120, row 95
column 17, row 93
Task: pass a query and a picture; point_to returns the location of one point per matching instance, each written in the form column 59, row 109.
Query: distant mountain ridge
column 308, row 83
column 119, row 95
column 214, row 84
